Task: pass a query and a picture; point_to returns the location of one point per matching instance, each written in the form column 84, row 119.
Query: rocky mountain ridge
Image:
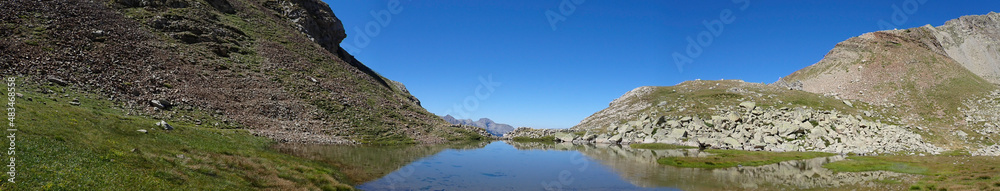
column 911, row 91
column 273, row 67
column 496, row 129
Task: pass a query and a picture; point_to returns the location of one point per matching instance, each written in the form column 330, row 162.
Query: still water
column 503, row 165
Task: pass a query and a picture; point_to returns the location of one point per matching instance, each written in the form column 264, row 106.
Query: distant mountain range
column 494, row 128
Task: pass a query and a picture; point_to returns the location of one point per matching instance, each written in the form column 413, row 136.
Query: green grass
column 732, row 158
column 95, row 146
column 540, row 139
column 657, row 146
column 952, row 172
column 859, row 164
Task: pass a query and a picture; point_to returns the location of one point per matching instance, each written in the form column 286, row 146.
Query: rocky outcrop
column 273, row 67
column 496, row 129
column 528, row 132
column 749, row 127
column 618, row 109
column 973, row 41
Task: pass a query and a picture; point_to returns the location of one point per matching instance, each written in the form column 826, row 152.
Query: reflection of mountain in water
column 639, row 167
column 366, row 162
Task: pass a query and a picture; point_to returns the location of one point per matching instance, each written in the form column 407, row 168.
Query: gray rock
column 678, row 133
column 770, row 140
column 141, row 130
column 615, row 139
column 848, row 103
column 733, row 143
column 164, row 125
column 749, row 105
column 624, row 129
column 564, row 137
column 673, row 124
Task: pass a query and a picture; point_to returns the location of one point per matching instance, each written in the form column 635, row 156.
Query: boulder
column 625, row 129
column 565, row 137
column 731, row 142
column 164, row 125
column 677, row 133
column 673, row 124
column 749, row 105
column 615, row 139
column 770, row 140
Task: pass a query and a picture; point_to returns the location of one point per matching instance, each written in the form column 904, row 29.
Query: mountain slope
column 496, row 129
column 928, row 83
column 912, row 72
column 272, row 67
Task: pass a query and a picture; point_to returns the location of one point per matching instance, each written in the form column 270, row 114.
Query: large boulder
column 565, row 137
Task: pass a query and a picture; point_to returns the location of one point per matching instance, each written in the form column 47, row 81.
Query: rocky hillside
column 922, row 76
column 920, row 90
column 496, row 129
column 273, row 67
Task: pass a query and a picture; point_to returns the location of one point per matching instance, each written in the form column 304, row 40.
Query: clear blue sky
column 555, row 78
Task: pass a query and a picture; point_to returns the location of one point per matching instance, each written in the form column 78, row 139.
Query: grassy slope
column 927, row 86
column 703, row 97
column 61, row 146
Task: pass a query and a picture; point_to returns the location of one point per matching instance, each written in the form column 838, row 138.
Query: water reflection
column 640, row 168
column 538, row 166
column 363, row 163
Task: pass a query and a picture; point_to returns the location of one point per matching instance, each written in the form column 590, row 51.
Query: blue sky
column 601, row 49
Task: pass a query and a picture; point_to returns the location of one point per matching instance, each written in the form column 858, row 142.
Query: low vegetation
column 93, row 146
column 540, row 139
column 940, row 172
column 658, row 146
column 732, row 158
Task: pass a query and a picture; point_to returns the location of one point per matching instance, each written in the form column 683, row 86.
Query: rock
column 770, row 140
column 56, row 80
column 732, row 117
column 848, row 103
column 602, row 138
column 649, row 140
column 141, row 130
column 624, row 129
column 661, row 120
column 673, row 124
column 564, row 137
column 75, row 101
column 733, row 143
column 159, row 104
column 677, row 133
column 165, row 125
column 685, row 119
column 749, row 105
column 648, row 130
column 615, row 139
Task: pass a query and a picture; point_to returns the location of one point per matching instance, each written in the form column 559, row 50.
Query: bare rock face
column 314, row 18
column 973, row 42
